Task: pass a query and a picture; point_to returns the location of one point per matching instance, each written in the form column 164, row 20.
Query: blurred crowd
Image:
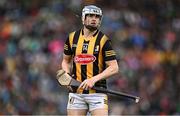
column 145, row 35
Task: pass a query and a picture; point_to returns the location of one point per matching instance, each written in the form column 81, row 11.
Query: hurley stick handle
column 66, row 80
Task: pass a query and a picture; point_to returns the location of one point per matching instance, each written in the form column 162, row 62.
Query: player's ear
column 82, row 18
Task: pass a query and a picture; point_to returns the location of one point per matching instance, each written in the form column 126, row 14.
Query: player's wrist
column 96, row 78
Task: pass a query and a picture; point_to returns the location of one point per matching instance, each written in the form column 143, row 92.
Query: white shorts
column 87, row 101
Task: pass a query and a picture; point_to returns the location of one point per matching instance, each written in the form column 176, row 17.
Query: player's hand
column 87, row 84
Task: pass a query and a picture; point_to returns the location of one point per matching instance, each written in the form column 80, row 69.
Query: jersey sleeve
column 108, row 52
column 67, row 47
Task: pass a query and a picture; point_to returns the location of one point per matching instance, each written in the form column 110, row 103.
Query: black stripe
column 84, row 67
column 96, row 54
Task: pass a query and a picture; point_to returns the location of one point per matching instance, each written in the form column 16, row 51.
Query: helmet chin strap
column 91, row 28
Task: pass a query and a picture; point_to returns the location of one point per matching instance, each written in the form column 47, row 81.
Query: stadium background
column 145, row 35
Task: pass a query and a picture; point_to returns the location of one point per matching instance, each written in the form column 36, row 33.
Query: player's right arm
column 67, row 57
column 66, row 63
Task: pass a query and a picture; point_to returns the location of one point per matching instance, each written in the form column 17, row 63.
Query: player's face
column 92, row 20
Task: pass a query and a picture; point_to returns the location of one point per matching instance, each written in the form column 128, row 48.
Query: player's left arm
column 112, row 68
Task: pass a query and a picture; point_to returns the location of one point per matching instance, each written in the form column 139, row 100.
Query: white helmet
column 91, row 9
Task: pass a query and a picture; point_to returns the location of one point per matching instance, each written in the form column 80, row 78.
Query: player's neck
column 88, row 33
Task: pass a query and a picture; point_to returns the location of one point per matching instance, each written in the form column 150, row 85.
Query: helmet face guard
column 91, row 9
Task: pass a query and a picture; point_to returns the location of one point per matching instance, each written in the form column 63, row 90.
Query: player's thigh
column 76, row 112
column 99, row 112
column 76, row 105
column 98, row 103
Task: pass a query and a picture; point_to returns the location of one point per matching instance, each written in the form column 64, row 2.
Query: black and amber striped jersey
column 89, row 55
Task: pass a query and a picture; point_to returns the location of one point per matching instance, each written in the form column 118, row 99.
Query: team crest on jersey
column 96, row 48
column 84, row 59
column 85, row 47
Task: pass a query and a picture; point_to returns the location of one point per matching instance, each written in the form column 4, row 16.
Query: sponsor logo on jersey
column 84, row 58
